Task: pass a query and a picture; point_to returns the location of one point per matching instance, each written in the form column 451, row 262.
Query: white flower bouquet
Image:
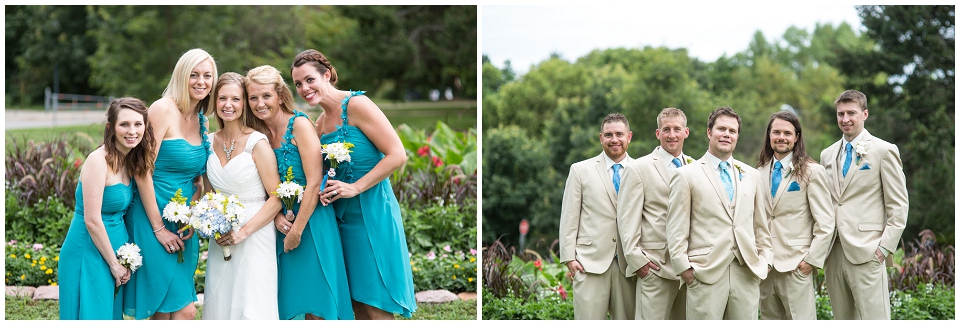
column 336, row 153
column 289, row 193
column 178, row 212
column 129, row 256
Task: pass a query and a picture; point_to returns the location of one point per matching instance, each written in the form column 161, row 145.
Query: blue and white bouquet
column 216, row 214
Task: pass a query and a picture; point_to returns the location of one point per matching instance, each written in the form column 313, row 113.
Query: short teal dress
column 86, row 285
column 374, row 244
column 311, row 277
column 162, row 284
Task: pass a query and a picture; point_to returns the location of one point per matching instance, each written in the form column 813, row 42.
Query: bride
column 242, row 164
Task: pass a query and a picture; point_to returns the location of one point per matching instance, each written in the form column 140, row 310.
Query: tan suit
column 588, row 234
column 871, row 211
column 801, row 228
column 642, row 221
column 726, row 243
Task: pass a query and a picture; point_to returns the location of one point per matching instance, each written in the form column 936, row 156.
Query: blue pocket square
column 865, row 166
column 794, row 186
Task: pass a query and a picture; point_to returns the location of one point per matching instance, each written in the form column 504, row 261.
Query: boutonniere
column 739, row 169
column 861, row 149
column 789, row 169
column 689, row 160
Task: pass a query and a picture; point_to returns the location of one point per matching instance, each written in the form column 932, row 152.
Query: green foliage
column 455, row 310
column 431, row 227
column 928, row 301
column 36, row 170
column 923, row 261
column 30, row 264
column 514, row 308
column 17, row 308
column 450, row 270
column 46, row 221
column 442, row 165
column 200, row 275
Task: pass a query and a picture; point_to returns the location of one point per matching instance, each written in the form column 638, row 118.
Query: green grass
column 95, row 131
column 29, row 309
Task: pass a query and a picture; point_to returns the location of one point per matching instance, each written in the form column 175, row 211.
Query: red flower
column 77, row 163
column 423, row 151
column 456, row 180
column 538, row 264
column 437, row 162
column 562, row 292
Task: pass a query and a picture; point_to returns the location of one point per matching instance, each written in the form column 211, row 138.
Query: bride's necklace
column 229, row 152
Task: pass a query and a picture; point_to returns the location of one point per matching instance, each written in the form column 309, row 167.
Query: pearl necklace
column 229, row 152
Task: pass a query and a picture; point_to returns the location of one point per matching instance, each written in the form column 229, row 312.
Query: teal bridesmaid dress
column 311, row 277
column 86, row 285
column 371, row 229
column 162, row 284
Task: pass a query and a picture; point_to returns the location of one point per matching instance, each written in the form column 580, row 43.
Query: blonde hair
column 268, row 75
column 178, row 88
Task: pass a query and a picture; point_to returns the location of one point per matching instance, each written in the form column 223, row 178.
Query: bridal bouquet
column 177, row 212
column 337, row 152
column 216, row 214
column 289, row 193
column 129, row 256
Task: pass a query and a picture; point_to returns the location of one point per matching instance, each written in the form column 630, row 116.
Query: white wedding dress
column 245, row 287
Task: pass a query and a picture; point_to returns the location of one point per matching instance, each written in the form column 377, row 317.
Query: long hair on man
column 800, row 158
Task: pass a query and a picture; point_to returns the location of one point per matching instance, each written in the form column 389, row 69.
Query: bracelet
column 158, row 229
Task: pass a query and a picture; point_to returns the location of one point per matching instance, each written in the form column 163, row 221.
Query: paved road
column 31, row 119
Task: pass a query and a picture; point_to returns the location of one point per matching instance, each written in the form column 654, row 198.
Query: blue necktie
column 846, row 161
column 676, row 162
column 616, row 177
column 725, row 178
column 777, row 177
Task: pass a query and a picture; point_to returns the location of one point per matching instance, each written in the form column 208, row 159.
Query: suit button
column 773, row 217
column 614, row 240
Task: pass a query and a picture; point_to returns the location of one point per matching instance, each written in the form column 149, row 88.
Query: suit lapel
column 604, row 178
column 736, row 179
column 784, row 186
column 854, row 167
column 715, row 182
column 766, row 173
column 833, row 171
column 661, row 169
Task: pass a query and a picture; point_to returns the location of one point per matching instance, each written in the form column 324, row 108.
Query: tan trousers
column 788, row 295
column 735, row 296
column 856, row 291
column 660, row 299
column 595, row 295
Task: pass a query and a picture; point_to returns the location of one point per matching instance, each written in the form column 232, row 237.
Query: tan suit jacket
column 871, row 204
column 703, row 226
column 588, row 217
column 801, row 222
column 642, row 214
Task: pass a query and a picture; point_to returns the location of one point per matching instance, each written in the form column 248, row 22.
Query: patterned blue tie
column 775, row 180
column 676, row 162
column 725, row 178
column 846, row 161
column 616, row 177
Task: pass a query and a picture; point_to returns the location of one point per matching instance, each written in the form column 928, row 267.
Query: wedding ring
column 171, row 247
column 286, row 228
column 335, row 193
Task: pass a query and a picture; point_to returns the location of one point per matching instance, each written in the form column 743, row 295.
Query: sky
column 527, row 35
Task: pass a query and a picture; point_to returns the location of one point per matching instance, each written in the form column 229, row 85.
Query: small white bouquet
column 129, row 256
column 177, row 212
column 216, row 214
column 289, row 193
column 337, row 152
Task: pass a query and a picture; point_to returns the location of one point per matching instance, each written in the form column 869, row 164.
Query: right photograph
column 708, row 161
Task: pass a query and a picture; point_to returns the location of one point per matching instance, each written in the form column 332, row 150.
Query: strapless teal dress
column 86, row 285
column 371, row 229
column 162, row 284
column 311, row 277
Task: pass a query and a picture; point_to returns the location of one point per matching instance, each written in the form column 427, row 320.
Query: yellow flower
column 8, row 274
column 473, row 259
column 456, row 266
column 196, row 272
column 49, row 281
column 34, row 261
column 43, row 268
column 56, row 258
column 41, row 262
column 49, row 271
column 43, row 258
column 54, row 284
column 470, row 279
column 411, row 262
column 454, row 277
column 23, row 277
column 27, row 256
column 13, row 255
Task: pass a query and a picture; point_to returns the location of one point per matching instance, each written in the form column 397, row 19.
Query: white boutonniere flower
column 739, row 169
column 861, row 149
column 789, row 169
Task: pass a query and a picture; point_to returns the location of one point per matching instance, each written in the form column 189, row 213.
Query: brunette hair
column 267, row 75
column 614, row 117
column 800, row 158
column 246, row 117
column 852, row 96
column 178, row 88
column 723, row 111
column 139, row 161
column 318, row 61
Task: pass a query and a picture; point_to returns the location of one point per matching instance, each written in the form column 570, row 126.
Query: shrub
column 442, row 165
column 30, row 264
column 200, row 275
column 451, row 271
column 41, row 170
column 508, row 307
column 45, row 221
column 929, row 301
column 439, row 224
column 923, row 261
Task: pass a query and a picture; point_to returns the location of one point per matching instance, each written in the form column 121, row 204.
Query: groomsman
column 801, row 220
column 869, row 193
column 642, row 220
column 717, row 232
column 590, row 244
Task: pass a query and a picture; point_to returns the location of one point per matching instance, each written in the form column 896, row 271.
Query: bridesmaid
column 164, row 288
column 312, row 279
column 374, row 244
column 89, row 269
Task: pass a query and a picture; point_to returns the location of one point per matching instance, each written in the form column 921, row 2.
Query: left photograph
column 241, row 162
